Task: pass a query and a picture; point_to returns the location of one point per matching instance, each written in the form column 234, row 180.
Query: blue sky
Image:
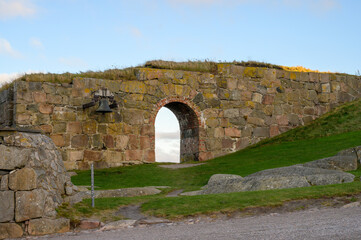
column 78, row 35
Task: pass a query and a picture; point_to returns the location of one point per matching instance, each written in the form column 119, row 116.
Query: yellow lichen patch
column 178, row 90
column 115, row 128
column 250, row 72
column 293, row 76
column 87, row 90
column 250, row 104
column 133, row 87
column 209, row 95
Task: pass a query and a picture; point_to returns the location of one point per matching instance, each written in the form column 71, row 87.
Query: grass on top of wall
column 130, row 73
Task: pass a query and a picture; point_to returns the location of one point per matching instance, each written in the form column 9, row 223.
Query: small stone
column 23, row 179
column 10, row 230
column 88, row 224
column 118, row 224
column 45, row 226
column 351, row 205
column 69, row 191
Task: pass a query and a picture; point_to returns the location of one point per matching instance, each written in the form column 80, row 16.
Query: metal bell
column 104, row 106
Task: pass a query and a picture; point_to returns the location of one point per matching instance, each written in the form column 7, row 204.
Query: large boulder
column 279, row 178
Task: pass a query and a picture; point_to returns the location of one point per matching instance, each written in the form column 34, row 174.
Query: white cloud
column 168, row 135
column 8, row 77
column 36, row 43
column 6, row 49
column 73, row 62
column 16, row 8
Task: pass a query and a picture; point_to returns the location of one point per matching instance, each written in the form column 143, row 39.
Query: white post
column 92, row 184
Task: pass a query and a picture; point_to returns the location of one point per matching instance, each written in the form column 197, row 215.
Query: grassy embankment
column 335, row 131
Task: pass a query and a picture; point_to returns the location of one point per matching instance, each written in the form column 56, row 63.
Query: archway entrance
column 189, row 130
column 167, row 137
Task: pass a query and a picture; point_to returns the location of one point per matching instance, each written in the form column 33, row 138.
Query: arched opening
column 167, row 137
column 189, row 130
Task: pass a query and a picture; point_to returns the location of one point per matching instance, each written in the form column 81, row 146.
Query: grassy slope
column 326, row 136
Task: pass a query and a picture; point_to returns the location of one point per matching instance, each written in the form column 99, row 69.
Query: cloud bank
column 16, row 8
column 7, row 49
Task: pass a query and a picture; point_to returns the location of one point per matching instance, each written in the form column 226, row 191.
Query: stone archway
column 189, row 123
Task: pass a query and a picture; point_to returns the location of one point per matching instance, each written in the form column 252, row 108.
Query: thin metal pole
column 92, row 184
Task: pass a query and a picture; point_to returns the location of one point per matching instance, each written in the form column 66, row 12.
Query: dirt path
column 328, row 223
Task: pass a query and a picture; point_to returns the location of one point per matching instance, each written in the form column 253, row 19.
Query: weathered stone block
column 144, row 142
column 13, row 157
column 45, row 108
column 46, row 128
column 232, row 132
column 75, row 155
column 326, row 88
column 261, row 132
column 122, row 141
column 79, row 141
column 133, row 155
column 74, row 127
column 23, row 179
column 89, row 127
column 23, row 119
column 255, row 121
column 113, row 156
column 108, row 141
column 6, row 206
column 10, row 230
column 59, row 127
column 29, row 204
column 58, row 140
column 282, row 120
column 274, row 131
column 231, row 113
column 45, row 226
column 4, row 182
column 257, row 97
column 54, row 99
column 92, row 156
column 39, row 97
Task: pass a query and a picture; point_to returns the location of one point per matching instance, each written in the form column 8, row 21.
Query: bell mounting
column 105, row 99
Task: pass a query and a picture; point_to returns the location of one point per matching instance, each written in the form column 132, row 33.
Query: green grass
column 206, row 204
column 338, row 130
column 242, row 163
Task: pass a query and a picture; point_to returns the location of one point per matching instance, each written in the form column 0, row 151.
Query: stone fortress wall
column 218, row 113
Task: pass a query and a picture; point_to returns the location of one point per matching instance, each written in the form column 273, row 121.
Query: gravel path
column 330, row 223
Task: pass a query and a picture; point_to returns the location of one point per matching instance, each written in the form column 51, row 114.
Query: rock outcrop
column 319, row 172
column 32, row 181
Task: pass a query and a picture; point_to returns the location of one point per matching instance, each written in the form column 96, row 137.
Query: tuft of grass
column 197, row 66
column 110, row 74
column 205, row 204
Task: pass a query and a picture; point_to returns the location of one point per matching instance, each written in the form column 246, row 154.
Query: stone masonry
column 218, row 113
column 33, row 181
